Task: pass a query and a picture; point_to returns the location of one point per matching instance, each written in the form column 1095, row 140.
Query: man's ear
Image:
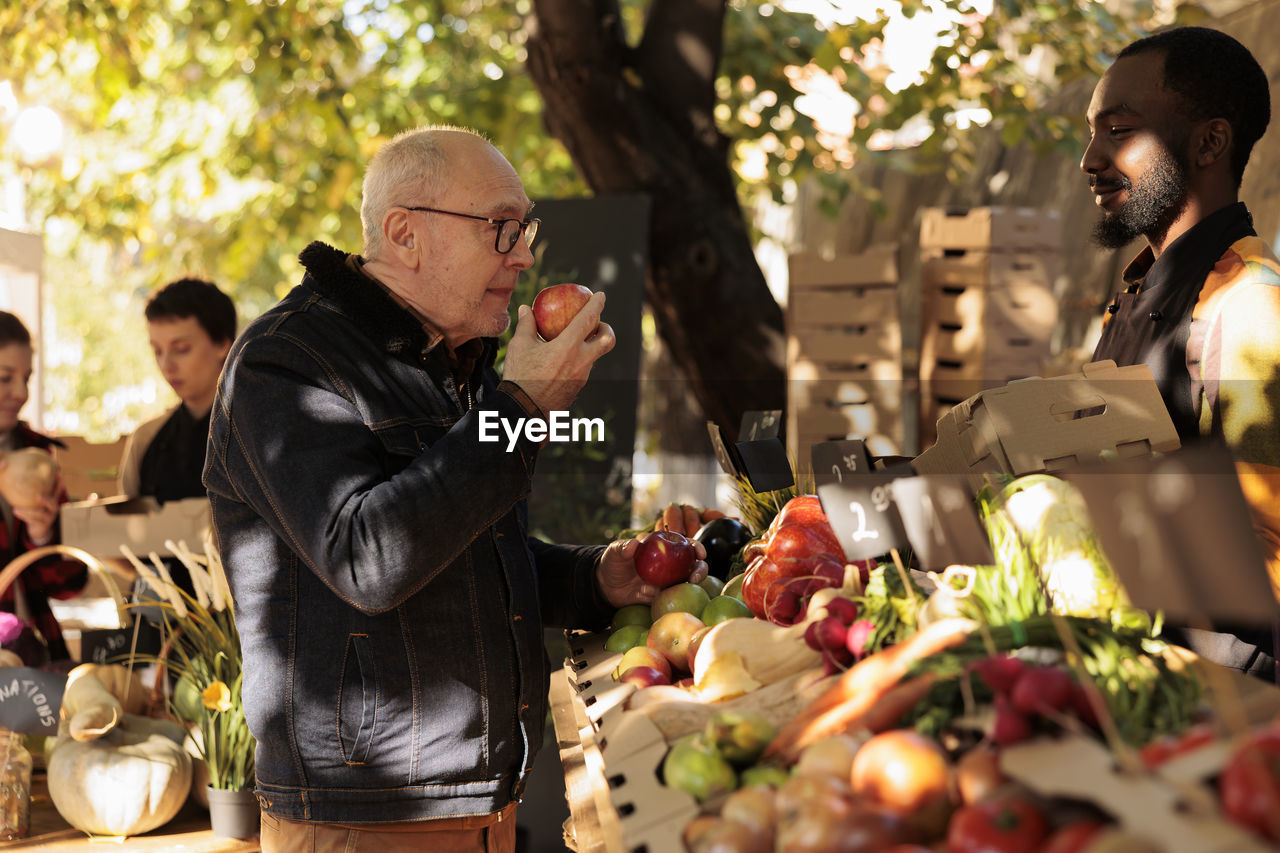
column 398, row 237
column 1213, row 143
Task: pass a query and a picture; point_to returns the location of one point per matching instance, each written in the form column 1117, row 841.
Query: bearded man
column 1173, row 122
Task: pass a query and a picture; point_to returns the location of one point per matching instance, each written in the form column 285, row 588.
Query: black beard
column 1154, row 203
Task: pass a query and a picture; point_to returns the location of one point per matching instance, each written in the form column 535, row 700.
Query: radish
column 1042, row 689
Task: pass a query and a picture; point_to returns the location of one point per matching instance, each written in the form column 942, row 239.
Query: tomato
column 1074, row 837
column 1249, row 786
column 1159, row 751
column 1000, row 826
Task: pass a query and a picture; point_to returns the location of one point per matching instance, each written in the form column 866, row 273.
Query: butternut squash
column 768, row 652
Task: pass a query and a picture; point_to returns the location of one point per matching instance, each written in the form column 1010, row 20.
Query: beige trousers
column 480, row 834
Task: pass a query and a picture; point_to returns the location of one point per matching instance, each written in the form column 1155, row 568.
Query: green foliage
column 219, row 138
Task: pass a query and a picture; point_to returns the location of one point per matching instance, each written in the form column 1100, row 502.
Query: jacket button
column 517, row 618
column 422, row 445
column 524, row 709
column 1112, row 308
column 1156, row 316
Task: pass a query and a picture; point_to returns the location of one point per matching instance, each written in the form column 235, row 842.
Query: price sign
column 1177, row 531
column 941, row 521
column 857, row 500
column 109, row 645
column 30, row 699
column 724, row 455
column 760, row 425
column 765, row 464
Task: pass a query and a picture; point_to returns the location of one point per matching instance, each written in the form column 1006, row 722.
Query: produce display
column 812, row 704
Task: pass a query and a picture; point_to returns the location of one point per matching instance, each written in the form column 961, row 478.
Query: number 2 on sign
column 861, row 515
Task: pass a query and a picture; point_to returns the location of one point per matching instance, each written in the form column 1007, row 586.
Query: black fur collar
column 368, row 306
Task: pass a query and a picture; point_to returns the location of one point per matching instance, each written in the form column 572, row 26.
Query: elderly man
column 1173, row 123
column 389, row 600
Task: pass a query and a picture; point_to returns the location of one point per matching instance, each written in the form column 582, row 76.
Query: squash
column 120, row 681
column 112, row 773
column 767, row 652
column 10, row 658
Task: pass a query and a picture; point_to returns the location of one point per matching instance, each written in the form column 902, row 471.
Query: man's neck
column 1199, row 207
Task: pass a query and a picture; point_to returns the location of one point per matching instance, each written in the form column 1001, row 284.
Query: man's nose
column 521, row 256
column 1092, row 162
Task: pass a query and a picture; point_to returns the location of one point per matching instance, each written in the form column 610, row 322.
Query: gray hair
column 407, row 170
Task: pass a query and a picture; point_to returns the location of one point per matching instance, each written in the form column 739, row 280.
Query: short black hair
column 194, row 297
column 12, row 330
column 1216, row 77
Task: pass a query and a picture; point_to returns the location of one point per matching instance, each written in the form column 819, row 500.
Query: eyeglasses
column 509, row 230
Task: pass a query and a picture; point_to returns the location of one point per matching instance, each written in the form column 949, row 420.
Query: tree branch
column 678, row 57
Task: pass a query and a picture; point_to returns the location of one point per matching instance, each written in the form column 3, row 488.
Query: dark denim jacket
column 389, row 602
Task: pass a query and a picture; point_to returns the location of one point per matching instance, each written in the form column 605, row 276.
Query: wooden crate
column 987, row 268
column 877, row 266
column 993, row 228
column 849, row 305
column 1022, row 311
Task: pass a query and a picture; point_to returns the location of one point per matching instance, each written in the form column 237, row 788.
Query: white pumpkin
column 113, row 773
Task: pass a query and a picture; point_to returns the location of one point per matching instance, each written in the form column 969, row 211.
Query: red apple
column 555, row 307
column 642, row 656
column 665, row 558
column 644, row 676
column 672, row 636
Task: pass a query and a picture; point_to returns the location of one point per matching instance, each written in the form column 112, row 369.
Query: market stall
column 962, row 653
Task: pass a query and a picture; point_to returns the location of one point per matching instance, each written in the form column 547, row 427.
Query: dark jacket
column 389, row 600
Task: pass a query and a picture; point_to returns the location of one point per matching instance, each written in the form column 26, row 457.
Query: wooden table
column 188, row 831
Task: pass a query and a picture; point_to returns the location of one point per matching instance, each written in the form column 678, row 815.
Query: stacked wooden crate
column 987, row 305
column 844, row 352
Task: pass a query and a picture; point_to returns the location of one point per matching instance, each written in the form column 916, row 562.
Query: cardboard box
column 102, row 526
column 998, row 229
column 87, row 468
column 972, row 347
column 986, row 268
column 841, row 306
column 1035, row 425
column 878, row 265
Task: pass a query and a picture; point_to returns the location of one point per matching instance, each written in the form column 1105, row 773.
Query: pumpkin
column 9, row 658
column 112, row 773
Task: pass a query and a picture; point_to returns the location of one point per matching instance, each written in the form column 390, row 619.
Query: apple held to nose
column 555, row 307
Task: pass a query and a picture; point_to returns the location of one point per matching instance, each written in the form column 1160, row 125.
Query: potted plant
column 202, row 651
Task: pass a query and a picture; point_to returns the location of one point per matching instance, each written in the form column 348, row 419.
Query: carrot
column 711, row 515
column 672, row 518
column 888, row 711
column 850, row 700
column 691, row 522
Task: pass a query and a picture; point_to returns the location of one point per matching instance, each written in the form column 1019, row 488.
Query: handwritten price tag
column 30, row 699
column 1177, row 531
column 857, row 500
column 724, row 455
column 757, row 426
column 941, row 521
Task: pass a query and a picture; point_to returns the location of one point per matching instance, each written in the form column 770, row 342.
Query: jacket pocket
column 357, row 700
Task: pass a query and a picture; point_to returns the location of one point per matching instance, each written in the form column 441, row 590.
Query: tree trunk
column 641, row 120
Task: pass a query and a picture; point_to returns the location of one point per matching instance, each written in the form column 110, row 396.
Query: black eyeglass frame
column 524, row 224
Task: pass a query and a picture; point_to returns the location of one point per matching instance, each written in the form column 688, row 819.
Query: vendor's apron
column 1153, row 326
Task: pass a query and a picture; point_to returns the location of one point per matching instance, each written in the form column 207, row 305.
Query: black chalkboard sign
column 30, row 699
column 1177, row 531
column 857, row 500
column 941, row 521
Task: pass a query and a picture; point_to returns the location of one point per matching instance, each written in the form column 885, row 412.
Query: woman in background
column 33, row 524
column 191, row 324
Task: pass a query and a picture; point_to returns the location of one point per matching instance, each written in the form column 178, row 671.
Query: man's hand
column 553, row 372
column 617, row 576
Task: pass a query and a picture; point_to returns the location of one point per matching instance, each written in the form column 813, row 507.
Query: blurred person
column 1173, row 123
column 33, row 524
column 191, row 324
column 389, row 599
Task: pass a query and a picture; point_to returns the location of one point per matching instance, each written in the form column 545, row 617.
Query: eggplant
column 722, row 538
